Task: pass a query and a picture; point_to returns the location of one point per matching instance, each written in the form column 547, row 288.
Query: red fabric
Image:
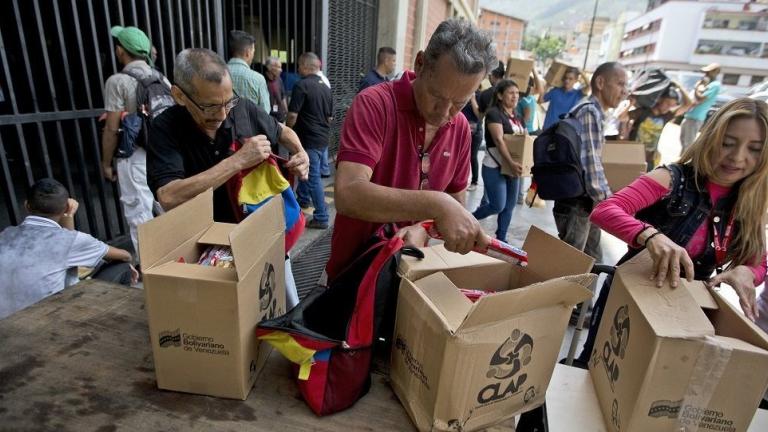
column 348, row 376
column 314, row 389
column 615, row 215
column 360, row 331
column 384, row 130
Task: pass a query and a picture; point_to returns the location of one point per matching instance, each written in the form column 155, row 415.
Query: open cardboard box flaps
column 472, row 365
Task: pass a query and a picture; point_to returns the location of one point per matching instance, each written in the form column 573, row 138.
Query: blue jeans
column 313, row 188
column 501, row 192
column 325, row 168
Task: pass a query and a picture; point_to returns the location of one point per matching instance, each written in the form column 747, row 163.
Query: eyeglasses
column 210, row 110
column 424, row 171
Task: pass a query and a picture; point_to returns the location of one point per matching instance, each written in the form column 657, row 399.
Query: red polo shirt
column 384, row 130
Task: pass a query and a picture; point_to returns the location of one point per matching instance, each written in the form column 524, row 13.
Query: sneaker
column 472, row 187
column 314, row 223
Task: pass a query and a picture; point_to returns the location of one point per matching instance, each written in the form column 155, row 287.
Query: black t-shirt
column 484, row 99
column 178, row 149
column 311, row 100
column 495, row 115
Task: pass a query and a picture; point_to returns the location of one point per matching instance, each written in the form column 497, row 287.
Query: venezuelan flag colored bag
column 252, row 188
column 330, row 333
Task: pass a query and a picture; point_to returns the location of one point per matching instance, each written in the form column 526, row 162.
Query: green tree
column 548, row 48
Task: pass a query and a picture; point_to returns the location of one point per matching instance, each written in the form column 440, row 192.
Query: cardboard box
column 521, row 149
column 675, row 359
column 519, row 71
column 623, row 162
column 202, row 319
column 458, row 365
column 554, row 76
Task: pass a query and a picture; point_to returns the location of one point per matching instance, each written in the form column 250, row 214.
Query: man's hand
column 72, row 206
column 668, row 257
column 298, row 165
column 254, row 151
column 414, row 235
column 134, row 275
column 741, row 279
column 108, row 172
column 460, row 230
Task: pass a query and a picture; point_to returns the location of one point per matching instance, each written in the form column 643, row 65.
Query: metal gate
column 56, row 56
column 352, row 32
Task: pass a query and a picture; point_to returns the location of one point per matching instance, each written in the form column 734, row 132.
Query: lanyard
column 722, row 249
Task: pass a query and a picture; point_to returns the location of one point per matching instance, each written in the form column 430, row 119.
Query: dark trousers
column 115, row 272
column 573, row 225
column 594, row 323
column 477, row 139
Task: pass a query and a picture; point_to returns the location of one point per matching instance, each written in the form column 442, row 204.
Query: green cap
column 134, row 41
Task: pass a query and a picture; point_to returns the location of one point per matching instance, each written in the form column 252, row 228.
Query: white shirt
column 39, row 258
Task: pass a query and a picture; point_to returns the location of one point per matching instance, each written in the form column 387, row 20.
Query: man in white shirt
column 40, row 257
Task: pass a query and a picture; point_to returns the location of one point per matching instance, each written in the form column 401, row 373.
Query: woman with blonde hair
column 704, row 214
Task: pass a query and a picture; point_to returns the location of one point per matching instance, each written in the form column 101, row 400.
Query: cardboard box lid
column 549, row 258
column 731, row 322
column 673, row 313
column 624, row 152
column 250, row 237
column 566, row 290
column 460, row 313
column 438, row 258
column 161, row 235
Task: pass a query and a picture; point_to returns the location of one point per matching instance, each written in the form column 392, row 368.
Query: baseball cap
column 134, row 41
column 710, row 67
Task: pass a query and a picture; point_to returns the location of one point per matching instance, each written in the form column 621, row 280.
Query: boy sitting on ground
column 40, row 257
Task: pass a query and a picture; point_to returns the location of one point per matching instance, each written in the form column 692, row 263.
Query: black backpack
column 153, row 97
column 557, row 169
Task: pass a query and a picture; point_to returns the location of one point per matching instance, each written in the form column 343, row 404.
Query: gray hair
column 270, row 60
column 198, row 62
column 471, row 49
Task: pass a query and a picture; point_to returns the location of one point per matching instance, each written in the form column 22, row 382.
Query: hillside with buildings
column 560, row 16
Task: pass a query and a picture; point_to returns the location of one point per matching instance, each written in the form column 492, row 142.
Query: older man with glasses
column 192, row 142
column 405, row 149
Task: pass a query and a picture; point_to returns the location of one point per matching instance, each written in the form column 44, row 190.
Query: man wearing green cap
column 133, row 50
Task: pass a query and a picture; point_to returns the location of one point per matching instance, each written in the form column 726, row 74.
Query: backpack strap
column 574, row 112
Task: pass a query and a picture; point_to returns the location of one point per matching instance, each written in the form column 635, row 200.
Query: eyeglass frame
column 228, row 105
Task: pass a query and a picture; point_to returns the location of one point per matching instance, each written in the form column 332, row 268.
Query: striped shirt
column 591, row 151
column 248, row 83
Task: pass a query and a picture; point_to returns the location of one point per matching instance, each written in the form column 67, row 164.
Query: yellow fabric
column 263, row 182
column 291, row 349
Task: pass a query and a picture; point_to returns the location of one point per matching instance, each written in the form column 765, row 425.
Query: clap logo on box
column 615, row 348
column 507, row 363
column 665, row 408
column 268, row 301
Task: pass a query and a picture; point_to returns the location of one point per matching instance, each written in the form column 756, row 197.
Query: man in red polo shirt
column 405, row 150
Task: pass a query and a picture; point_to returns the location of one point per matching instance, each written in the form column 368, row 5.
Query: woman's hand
column 668, row 257
column 741, row 279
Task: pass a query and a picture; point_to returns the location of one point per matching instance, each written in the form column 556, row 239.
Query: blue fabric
column 528, row 102
column 312, row 189
column 325, row 168
column 699, row 112
column 371, row 79
column 501, row 192
column 560, row 102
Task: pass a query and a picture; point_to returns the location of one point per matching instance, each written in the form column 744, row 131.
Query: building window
column 756, row 79
column 733, row 48
column 736, row 21
column 730, row 79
